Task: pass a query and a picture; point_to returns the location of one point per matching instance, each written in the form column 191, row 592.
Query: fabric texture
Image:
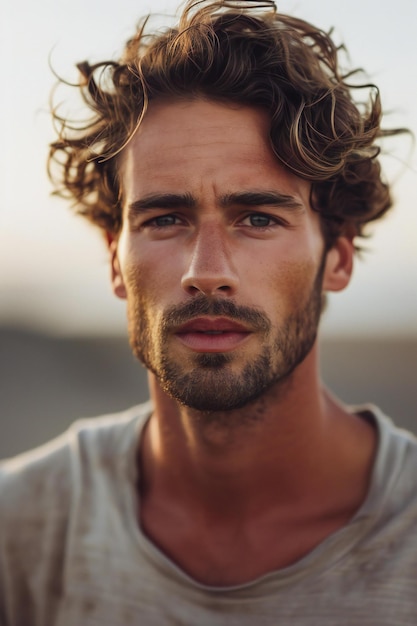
column 72, row 552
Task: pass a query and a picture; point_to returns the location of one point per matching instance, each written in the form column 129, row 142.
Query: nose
column 211, row 269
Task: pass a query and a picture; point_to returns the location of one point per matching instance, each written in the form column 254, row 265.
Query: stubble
column 212, row 384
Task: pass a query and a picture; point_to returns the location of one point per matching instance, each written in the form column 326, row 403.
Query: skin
column 218, row 485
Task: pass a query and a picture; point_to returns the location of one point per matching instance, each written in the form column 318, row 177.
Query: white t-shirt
column 72, row 552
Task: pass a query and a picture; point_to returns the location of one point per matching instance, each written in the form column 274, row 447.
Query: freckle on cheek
column 294, row 280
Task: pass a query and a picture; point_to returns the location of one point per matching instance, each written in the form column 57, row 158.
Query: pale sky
column 53, row 267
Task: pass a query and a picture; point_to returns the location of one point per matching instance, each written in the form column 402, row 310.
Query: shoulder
column 397, row 446
column 38, row 488
column 42, row 479
column 394, row 485
column 40, row 494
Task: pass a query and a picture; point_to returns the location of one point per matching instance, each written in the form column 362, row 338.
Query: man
column 230, row 170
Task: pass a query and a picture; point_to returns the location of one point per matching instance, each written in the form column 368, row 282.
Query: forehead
column 194, row 144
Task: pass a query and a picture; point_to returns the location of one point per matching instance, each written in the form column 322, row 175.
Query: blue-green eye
column 259, row 220
column 165, row 220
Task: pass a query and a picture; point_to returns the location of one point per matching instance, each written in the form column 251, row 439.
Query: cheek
column 132, row 267
column 296, row 274
column 290, row 286
column 148, row 272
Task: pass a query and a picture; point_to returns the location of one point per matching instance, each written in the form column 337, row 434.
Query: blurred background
column 63, row 346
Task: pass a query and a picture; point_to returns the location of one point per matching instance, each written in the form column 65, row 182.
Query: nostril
column 207, row 289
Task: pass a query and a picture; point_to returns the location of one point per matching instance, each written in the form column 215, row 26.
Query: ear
column 339, row 265
column 117, row 281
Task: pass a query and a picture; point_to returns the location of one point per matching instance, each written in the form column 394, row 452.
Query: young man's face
column 220, row 256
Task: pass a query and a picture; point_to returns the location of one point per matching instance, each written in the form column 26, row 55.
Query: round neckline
column 321, row 558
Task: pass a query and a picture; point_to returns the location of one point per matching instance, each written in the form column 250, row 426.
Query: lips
column 207, row 325
column 212, row 335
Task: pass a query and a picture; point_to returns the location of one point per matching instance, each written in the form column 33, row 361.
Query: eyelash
column 154, row 221
column 273, row 221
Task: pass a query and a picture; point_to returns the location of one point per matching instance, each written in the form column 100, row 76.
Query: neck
column 218, row 489
column 280, row 446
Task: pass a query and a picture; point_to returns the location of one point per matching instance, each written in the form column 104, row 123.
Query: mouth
column 212, row 335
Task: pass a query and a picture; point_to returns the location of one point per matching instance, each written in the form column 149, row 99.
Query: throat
column 221, row 556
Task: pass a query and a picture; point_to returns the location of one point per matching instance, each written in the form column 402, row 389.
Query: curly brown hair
column 237, row 51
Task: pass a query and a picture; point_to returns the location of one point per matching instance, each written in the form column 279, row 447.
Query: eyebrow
column 241, row 198
column 261, row 198
column 162, row 201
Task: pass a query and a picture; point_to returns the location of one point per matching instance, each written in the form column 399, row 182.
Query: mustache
column 201, row 305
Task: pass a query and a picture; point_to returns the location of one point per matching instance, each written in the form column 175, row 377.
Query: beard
column 211, row 385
